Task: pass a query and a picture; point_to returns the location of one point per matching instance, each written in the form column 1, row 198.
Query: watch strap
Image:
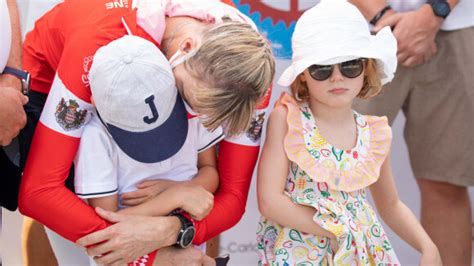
column 185, row 225
column 379, row 15
column 15, row 72
column 24, row 76
column 435, row 4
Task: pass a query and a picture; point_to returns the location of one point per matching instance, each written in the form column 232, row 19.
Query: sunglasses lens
column 352, row 69
column 320, row 72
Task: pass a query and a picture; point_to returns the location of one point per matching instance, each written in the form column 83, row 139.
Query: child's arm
column 109, row 203
column 207, row 176
column 272, row 173
column 179, row 195
column 400, row 218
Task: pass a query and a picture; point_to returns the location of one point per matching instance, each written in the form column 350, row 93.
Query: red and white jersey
column 58, row 53
column 102, row 168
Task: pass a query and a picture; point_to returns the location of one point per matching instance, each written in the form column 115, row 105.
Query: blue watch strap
column 24, row 76
column 16, row 72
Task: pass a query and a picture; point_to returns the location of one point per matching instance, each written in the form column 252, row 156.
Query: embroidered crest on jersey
column 68, row 114
column 255, row 130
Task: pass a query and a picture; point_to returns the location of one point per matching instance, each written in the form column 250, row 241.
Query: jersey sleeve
column 95, row 165
column 236, row 161
column 43, row 195
column 207, row 138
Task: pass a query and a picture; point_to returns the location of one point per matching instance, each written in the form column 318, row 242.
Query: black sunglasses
column 349, row 69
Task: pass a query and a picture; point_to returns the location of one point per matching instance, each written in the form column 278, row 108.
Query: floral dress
column 333, row 182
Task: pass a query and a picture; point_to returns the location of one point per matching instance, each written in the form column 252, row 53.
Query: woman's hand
column 195, row 200
column 146, row 191
column 130, row 237
column 430, row 256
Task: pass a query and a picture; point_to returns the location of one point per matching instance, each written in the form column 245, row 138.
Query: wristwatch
column 186, row 233
column 24, row 76
column 440, row 7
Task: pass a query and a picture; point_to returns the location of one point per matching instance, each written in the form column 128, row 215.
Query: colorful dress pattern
column 333, row 182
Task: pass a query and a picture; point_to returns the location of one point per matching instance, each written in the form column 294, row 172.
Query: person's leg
column 65, row 251
column 212, row 247
column 35, row 245
column 439, row 136
column 446, row 211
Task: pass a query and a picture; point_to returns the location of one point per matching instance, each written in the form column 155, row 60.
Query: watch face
column 188, row 236
column 442, row 9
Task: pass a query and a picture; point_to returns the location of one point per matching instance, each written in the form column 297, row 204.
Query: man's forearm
column 369, row 8
column 14, row 60
column 454, row 3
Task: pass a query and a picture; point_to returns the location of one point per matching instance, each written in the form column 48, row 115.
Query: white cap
column 334, row 31
column 134, row 91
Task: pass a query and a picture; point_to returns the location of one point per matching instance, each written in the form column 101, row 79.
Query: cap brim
column 158, row 144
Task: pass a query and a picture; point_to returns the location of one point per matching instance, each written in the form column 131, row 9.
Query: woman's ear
column 187, row 45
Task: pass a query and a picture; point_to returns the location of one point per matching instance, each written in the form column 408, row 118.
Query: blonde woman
column 223, row 69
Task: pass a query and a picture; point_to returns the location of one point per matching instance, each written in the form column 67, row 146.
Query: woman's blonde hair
column 237, row 65
column 371, row 87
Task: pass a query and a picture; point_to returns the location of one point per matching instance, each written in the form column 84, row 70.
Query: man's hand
column 190, row 256
column 130, row 237
column 415, row 32
column 12, row 115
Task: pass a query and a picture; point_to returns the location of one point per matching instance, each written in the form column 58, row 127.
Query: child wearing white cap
column 141, row 131
column 320, row 155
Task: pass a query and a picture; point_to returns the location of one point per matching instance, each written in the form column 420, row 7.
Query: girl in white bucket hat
column 320, row 155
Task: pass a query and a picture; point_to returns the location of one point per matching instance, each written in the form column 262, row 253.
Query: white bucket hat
column 335, row 31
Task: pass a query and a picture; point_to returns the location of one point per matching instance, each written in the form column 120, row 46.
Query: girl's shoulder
column 343, row 170
column 378, row 126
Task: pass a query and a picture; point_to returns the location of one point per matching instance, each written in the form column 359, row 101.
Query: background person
column 433, row 86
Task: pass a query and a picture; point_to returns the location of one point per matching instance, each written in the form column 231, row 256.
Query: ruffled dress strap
column 342, row 170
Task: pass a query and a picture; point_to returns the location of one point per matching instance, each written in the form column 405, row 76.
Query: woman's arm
column 271, row 179
column 399, row 217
